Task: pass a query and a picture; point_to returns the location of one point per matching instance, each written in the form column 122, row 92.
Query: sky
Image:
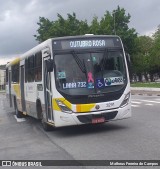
column 18, row 19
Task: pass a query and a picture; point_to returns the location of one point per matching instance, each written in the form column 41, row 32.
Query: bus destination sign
column 86, row 43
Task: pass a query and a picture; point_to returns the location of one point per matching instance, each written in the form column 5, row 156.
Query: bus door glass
column 47, row 89
column 9, row 84
column 22, row 89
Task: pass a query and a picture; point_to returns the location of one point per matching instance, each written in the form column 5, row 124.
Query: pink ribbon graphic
column 90, row 78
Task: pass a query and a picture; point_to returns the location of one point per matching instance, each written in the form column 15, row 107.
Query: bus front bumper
column 65, row 119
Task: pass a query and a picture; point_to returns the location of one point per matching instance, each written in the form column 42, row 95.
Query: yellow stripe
column 81, row 108
column 68, row 104
column 54, row 103
column 16, row 88
column 15, row 61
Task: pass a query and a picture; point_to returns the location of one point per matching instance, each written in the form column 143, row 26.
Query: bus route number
column 81, row 84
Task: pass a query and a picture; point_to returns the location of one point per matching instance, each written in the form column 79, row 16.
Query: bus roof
column 13, row 62
column 35, row 49
column 85, row 36
column 45, row 44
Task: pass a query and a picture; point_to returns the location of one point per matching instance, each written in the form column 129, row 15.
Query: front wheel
column 45, row 125
column 18, row 114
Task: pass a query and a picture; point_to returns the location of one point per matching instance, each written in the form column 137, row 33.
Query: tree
column 111, row 23
column 61, row 27
column 44, row 30
column 155, row 56
column 142, row 58
column 95, row 26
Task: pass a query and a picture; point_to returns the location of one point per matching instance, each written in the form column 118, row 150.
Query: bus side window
column 6, row 76
column 26, row 70
column 15, row 73
column 38, row 66
column 31, row 68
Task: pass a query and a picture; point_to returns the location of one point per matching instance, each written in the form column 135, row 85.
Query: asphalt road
column 137, row 138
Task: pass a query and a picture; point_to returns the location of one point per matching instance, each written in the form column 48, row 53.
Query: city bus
column 71, row 81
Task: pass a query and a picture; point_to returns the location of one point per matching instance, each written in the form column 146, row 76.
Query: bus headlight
column 63, row 107
column 126, row 100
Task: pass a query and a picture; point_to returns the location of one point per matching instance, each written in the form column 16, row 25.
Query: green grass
column 152, row 84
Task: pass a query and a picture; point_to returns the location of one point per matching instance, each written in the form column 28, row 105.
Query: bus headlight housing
column 126, row 100
column 63, row 107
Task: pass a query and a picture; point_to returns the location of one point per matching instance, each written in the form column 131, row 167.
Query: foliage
column 142, row 58
column 61, row 27
column 115, row 22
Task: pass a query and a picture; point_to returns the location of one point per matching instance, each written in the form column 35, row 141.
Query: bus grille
column 88, row 118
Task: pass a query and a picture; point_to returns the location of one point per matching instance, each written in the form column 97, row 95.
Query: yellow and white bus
column 71, row 81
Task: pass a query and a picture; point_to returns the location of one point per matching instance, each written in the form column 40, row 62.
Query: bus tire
column 18, row 114
column 46, row 126
column 39, row 109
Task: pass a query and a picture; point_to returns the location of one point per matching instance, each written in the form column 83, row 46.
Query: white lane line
column 147, row 101
column 134, row 105
column 19, row 119
column 149, row 104
column 135, row 102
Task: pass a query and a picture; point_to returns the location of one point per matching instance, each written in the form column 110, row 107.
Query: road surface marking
column 135, row 102
column 149, row 104
column 19, row 119
column 147, row 101
column 134, row 105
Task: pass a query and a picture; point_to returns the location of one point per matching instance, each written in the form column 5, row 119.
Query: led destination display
column 86, row 43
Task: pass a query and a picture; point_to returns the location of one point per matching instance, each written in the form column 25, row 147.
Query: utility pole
column 114, row 19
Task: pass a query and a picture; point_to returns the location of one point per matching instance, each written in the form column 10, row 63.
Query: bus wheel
column 46, row 126
column 18, row 114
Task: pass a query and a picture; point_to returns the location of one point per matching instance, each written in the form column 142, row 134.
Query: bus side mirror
column 49, row 65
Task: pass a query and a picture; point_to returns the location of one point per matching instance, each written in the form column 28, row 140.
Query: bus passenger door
column 22, row 89
column 47, row 90
column 9, row 85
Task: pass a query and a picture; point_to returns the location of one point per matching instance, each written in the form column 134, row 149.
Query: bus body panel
column 63, row 119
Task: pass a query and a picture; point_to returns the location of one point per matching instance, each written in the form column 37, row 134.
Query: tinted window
column 31, row 69
column 38, row 66
column 15, row 73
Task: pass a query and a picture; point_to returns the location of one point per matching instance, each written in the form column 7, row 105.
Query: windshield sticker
column 100, row 83
column 112, row 81
column 94, row 58
column 90, row 77
column 90, row 85
column 61, row 75
column 74, row 85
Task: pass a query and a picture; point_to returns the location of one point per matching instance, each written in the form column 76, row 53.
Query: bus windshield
column 85, row 73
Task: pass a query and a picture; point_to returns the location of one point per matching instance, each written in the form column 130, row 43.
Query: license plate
column 98, row 120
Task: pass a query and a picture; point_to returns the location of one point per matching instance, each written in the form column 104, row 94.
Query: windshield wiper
column 79, row 62
column 105, row 57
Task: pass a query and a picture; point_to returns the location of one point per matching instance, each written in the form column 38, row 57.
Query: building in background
column 2, row 77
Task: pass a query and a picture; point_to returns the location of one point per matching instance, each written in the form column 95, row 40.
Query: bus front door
column 9, row 83
column 22, row 89
column 47, row 92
